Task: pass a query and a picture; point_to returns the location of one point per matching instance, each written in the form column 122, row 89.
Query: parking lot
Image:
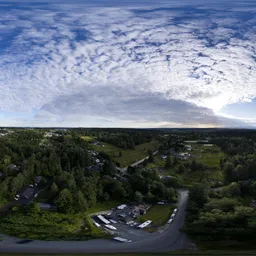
column 122, row 221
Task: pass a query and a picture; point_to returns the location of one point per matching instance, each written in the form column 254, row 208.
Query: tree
column 54, row 190
column 150, row 156
column 120, row 153
column 170, row 194
column 229, row 172
column 181, row 168
column 168, row 163
column 34, row 208
column 65, row 201
column 138, row 197
column 198, row 194
column 221, row 163
column 108, row 168
column 80, row 203
column 193, row 165
column 253, row 188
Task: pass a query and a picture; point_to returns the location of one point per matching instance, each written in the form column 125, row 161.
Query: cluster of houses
column 98, row 162
column 181, row 155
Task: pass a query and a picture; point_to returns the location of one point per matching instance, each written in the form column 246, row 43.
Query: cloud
column 171, row 64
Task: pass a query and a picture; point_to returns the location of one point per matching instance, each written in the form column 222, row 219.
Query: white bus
column 110, row 227
column 103, row 219
column 145, row 224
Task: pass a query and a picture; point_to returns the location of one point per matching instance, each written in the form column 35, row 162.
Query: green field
column 103, row 206
column 129, row 156
column 49, row 226
column 159, row 162
column 88, row 138
column 159, row 214
column 209, row 155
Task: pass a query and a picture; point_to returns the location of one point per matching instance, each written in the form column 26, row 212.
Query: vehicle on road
column 170, row 221
column 123, row 240
column 31, row 185
column 36, row 195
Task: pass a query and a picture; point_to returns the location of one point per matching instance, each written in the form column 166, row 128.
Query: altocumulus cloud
column 140, row 64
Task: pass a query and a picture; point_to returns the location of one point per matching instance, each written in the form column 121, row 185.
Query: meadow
column 128, row 156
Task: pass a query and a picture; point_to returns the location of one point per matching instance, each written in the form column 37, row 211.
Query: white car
column 16, row 198
column 36, row 195
column 31, row 185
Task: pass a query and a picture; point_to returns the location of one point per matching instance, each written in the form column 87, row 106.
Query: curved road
column 168, row 240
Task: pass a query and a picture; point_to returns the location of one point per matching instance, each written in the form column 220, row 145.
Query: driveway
column 169, row 240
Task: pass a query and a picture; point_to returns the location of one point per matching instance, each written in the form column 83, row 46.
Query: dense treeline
column 63, row 161
column 225, row 214
column 122, row 138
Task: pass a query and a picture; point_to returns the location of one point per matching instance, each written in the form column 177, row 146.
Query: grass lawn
column 159, row 162
column 129, row 156
column 103, row 206
column 210, row 155
column 159, row 214
column 49, row 226
column 88, row 138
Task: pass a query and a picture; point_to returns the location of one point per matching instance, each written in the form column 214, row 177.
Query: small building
column 171, row 151
column 121, row 207
column 38, row 179
column 47, row 207
column 253, row 204
column 28, row 192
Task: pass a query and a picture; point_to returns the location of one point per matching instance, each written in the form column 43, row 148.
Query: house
column 12, row 167
column 188, row 147
column 253, row 204
column 171, row 151
column 47, row 207
column 38, row 179
column 29, row 191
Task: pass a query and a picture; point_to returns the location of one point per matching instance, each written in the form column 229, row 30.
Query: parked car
column 31, row 185
column 36, row 195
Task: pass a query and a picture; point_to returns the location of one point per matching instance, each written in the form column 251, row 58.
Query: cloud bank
column 126, row 65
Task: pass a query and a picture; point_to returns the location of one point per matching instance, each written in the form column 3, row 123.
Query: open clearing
column 209, row 155
column 88, row 138
column 159, row 214
column 128, row 156
column 103, row 206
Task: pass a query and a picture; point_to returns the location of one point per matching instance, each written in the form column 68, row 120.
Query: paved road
column 168, row 240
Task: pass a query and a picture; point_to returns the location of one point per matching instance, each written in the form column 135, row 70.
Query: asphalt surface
column 169, row 240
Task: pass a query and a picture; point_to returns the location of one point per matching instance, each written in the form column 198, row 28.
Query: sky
column 143, row 63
